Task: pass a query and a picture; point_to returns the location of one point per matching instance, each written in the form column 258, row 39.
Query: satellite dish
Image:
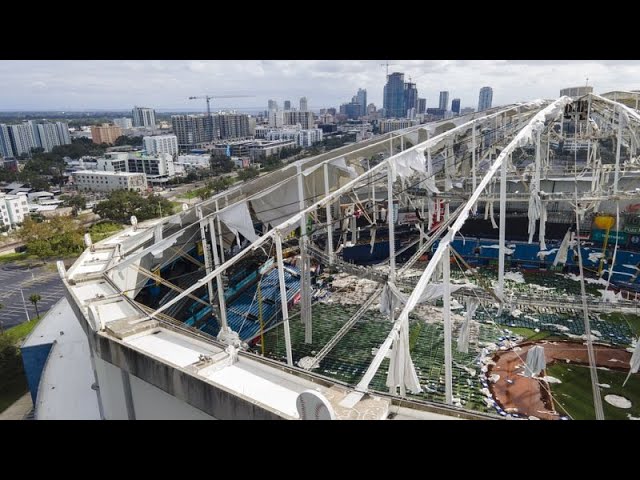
column 312, row 405
column 185, row 207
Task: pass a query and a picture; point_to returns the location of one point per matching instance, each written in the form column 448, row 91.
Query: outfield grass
column 629, row 318
column 575, row 396
column 529, row 334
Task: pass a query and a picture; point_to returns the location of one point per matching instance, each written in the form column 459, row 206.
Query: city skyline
column 166, row 84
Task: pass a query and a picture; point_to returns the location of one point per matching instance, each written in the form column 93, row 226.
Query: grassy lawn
column 529, row 334
column 574, row 393
column 20, row 332
column 188, row 195
column 629, row 318
column 12, row 257
column 102, row 230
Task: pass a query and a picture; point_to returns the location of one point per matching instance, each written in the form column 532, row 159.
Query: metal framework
column 447, row 148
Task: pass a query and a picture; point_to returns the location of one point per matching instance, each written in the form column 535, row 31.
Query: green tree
column 221, row 164
column 220, row 184
column 126, row 140
column 248, row 173
column 77, row 203
column 120, row 205
column 35, row 298
column 204, row 192
column 57, row 237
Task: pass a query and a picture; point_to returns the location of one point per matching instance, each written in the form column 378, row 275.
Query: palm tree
column 35, row 298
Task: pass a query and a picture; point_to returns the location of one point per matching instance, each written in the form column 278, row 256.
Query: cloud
column 167, row 84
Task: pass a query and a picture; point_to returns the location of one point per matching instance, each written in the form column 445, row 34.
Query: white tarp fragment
column 401, row 369
column 412, row 137
column 634, row 363
column 535, row 210
column 278, row 203
column 563, row 250
column 408, row 163
column 488, row 213
column 507, row 250
column 543, row 253
column 340, row 164
column 463, row 337
column 238, row 220
column 433, row 292
column 372, row 232
column 535, row 361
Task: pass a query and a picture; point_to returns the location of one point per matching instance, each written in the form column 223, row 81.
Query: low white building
column 13, row 209
column 107, row 181
column 161, row 144
column 194, row 161
column 302, row 137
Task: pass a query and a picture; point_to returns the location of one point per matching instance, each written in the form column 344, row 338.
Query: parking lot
column 40, row 280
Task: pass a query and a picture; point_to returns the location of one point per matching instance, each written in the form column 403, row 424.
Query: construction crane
column 387, row 64
column 209, row 97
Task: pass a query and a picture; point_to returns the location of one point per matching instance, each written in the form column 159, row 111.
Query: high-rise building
column 275, row 119
column 193, row 130
column 371, row 108
column 422, row 105
column 232, row 125
column 123, row 123
column 273, row 105
column 305, row 119
column 351, row 110
column 144, row 117
column 455, row 106
column 303, row 104
column 22, row 138
column 444, row 101
column 485, row 99
column 161, row 144
column 361, row 97
column 6, row 150
column 410, row 98
column 45, row 134
column 105, row 133
column 287, row 104
column 387, row 126
column 48, row 135
column 63, row 133
column 393, row 96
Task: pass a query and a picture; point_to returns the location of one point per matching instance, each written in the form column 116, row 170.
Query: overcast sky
column 167, row 84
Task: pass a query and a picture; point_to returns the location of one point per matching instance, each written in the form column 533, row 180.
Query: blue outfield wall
column 33, row 360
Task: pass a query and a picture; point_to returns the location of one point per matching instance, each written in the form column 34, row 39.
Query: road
column 38, row 280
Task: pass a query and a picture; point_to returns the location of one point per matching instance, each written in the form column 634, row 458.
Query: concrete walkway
column 19, row 409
